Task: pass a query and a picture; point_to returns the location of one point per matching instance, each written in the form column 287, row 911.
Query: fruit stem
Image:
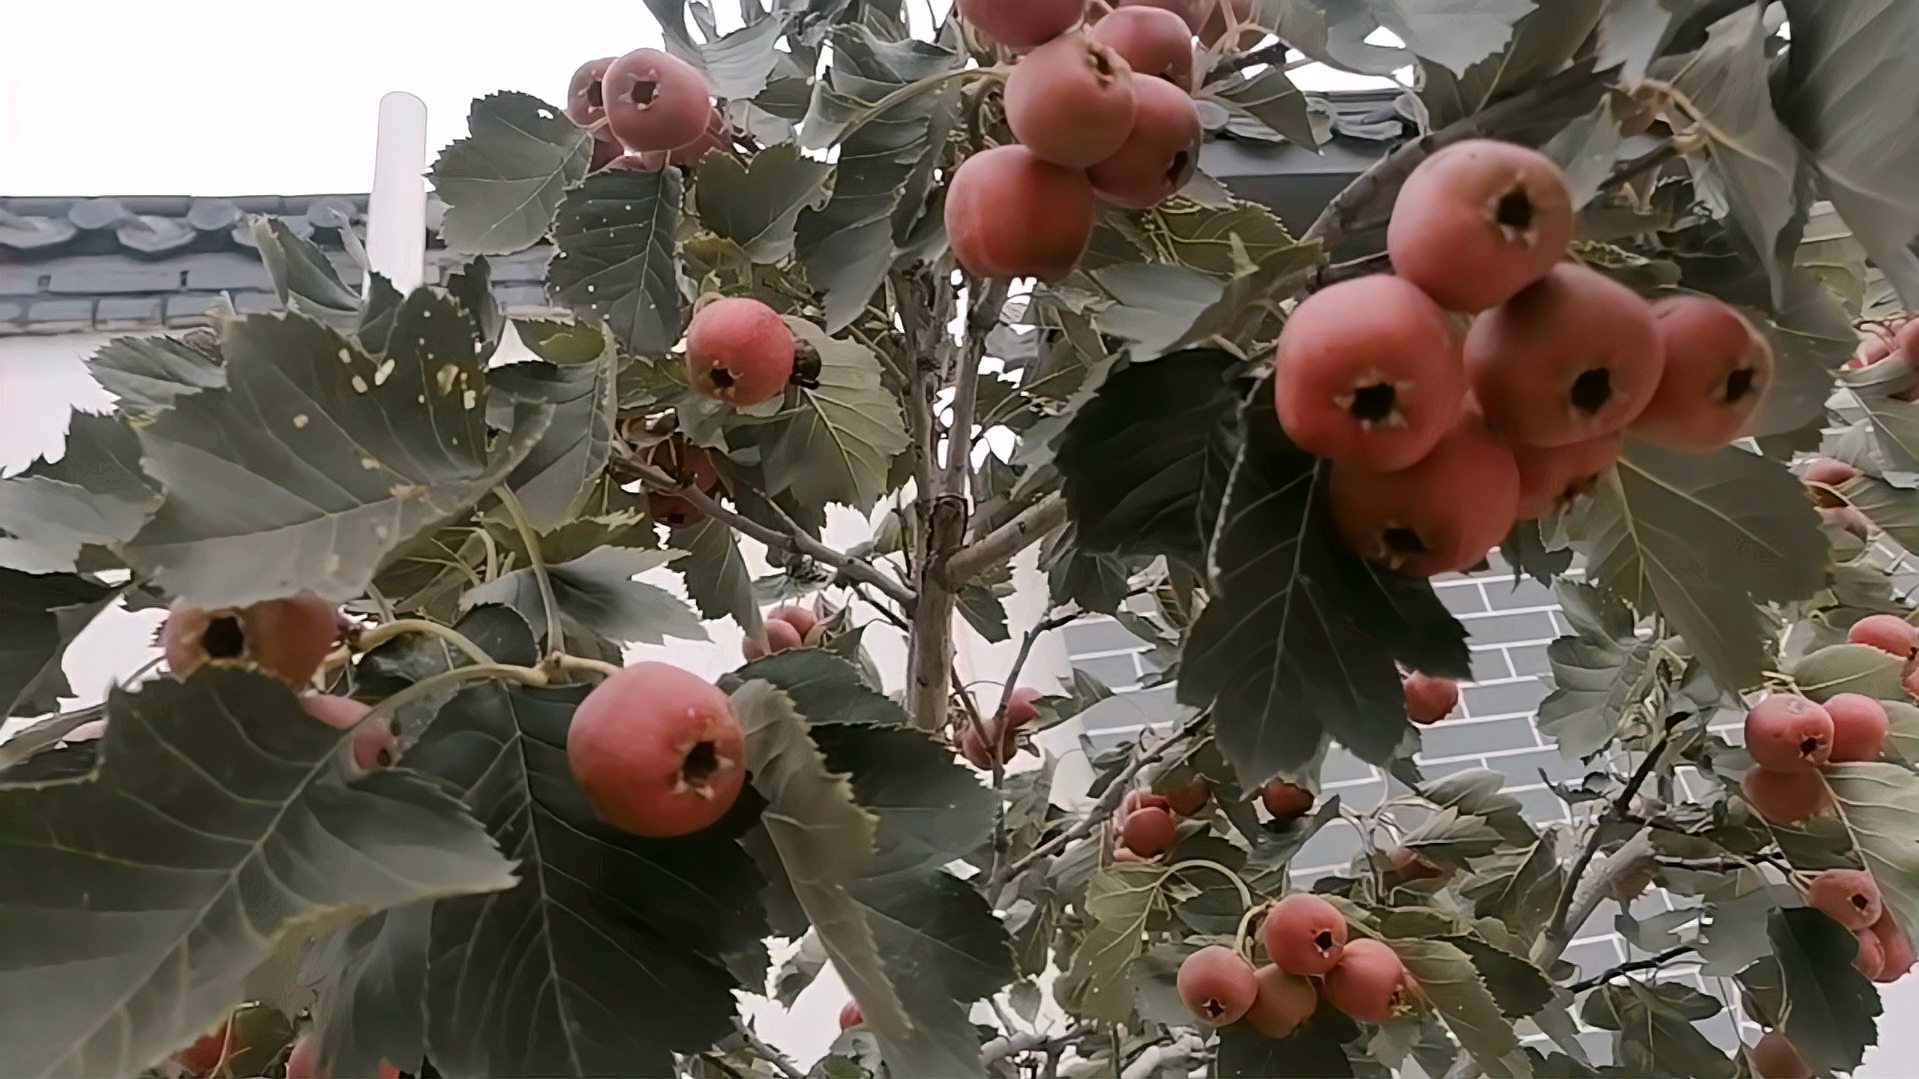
column 1245, row 923
column 428, row 686
column 555, row 639
column 387, row 631
column 1245, row 896
column 567, row 662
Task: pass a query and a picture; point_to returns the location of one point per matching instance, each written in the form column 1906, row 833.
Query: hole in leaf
column 1591, row 390
column 1514, row 210
column 225, row 638
column 1403, row 541
column 1374, row 403
column 701, row 762
column 1739, row 384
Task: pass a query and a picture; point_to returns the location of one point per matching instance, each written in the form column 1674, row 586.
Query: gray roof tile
column 60, row 316
column 91, row 277
column 128, row 313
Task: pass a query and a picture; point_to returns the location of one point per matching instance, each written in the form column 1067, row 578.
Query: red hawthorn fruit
column 1019, row 707
column 1859, row 727
column 1154, row 42
column 657, row 751
column 1717, row 371
column 1304, row 934
column 1283, row 1002
column 1415, row 520
column 1573, row 356
column 1896, row 947
column 690, row 466
column 304, row 1061
column 1160, row 151
column 1887, row 632
column 1216, row 984
column 978, row 748
column 1871, row 957
column 718, row 138
column 1429, row 698
column 1011, row 214
column 1137, row 799
column 1021, row 24
column 1149, row 831
column 740, row 351
column 655, row 101
column 1788, row 733
column 208, row 1052
column 1189, row 800
column 584, row 104
column 1478, row 221
column 1551, row 478
column 1775, row 1057
column 1191, row 12
column 1370, row 982
column 1285, row 801
column 1847, row 896
column 800, row 618
column 1368, row 371
column 780, row 636
column 1070, row 101
column 850, row 1015
column 287, row 638
column 373, row 743
column 1785, row 797
column 1829, row 472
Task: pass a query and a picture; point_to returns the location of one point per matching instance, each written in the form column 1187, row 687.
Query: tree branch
column 1026, row 528
column 766, row 1052
column 1631, row 965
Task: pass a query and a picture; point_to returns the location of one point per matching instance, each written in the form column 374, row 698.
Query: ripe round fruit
column 1011, row 214
column 1859, row 727
column 1895, row 945
column 1571, row 357
column 1160, row 151
column 1368, row 371
column 1190, row 799
column 739, row 350
column 1304, row 934
column 780, row 636
column 1887, row 632
column 718, row 136
column 654, row 101
column 1070, row 101
column 1871, row 957
column 850, row 1015
column 802, row 619
column 1369, row 983
column 978, row 748
column 287, row 638
column 1154, row 42
column 1785, row 797
column 373, row 743
column 1825, row 472
column 1283, row 1003
column 1429, row 698
column 1285, row 801
column 688, row 465
column 304, row 1061
column 1019, row 707
column 584, row 104
column 1551, row 478
column 1021, row 24
column 1216, row 985
column 1717, row 371
column 1190, row 12
column 1847, row 896
column 1788, row 733
column 1774, row 1057
column 1137, row 799
column 1417, row 520
column 1478, row 221
column 1148, row 832
column 657, row 751
column 206, row 1053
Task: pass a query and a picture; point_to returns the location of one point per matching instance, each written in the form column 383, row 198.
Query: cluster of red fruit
column 1439, row 441
column 996, row 739
column 1148, row 823
column 1102, row 110
column 646, row 110
column 1851, row 898
column 1899, row 340
column 787, row 627
column 1309, row 955
column 212, row 1053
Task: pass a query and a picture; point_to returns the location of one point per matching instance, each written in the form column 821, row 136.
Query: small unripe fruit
column 373, row 743
column 1160, row 152
column 780, row 636
column 1019, row 707
column 1190, row 799
column 850, row 1015
column 739, row 350
column 1415, row 520
column 1149, row 832
column 287, row 638
column 1304, row 934
column 1871, row 957
column 1010, row 214
column 1478, row 221
column 1788, row 733
column 655, row 101
column 1368, row 371
column 1551, row 478
column 1216, row 985
column 1785, row 797
column 1717, row 371
column 802, row 619
column 304, row 1061
column 1774, row 1057
column 1370, row 982
column 1285, row 801
column 1021, row 24
column 1070, row 101
column 585, row 104
column 1137, row 800
column 1859, row 727
column 1154, row 42
column 1829, row 472
column 657, row 751
column 1429, row 698
column 1847, row 896
column 1572, row 357
column 1895, row 946
column 1284, row 1002
column 1887, row 632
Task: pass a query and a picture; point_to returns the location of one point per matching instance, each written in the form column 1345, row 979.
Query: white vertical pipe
column 396, row 210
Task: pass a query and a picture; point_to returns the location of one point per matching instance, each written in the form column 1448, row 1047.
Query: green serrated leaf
column 1657, row 1025
column 1519, row 987
column 1878, row 804
column 1480, row 792
column 1894, row 509
column 1120, row 899
column 370, row 986
column 503, row 181
column 1448, row 978
column 147, row 374
column 95, row 493
column 598, row 593
column 1847, row 668
column 616, row 233
column 838, row 443
column 1272, row 99
column 1450, row 839
column 1455, row 34
column 1314, row 1051
column 1831, row 1006
column 715, row 572
column 1543, row 40
column 302, row 277
column 1518, row 886
column 1597, row 674
column 1903, row 737
column 757, row 203
column 40, row 615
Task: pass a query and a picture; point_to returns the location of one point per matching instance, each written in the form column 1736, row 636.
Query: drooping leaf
column 1449, row 838
column 1455, row 34
column 558, row 474
column 738, row 64
column 757, row 203
column 1658, row 1028
column 221, row 817
column 1894, row 509
column 1120, row 899
column 147, row 374
column 1598, row 672
column 1448, row 978
column 1831, row 1005
column 40, row 615
column 1877, row 803
column 608, row 954
column 617, row 238
column 1847, row 668
column 317, row 461
column 824, row 685
column 1314, row 1051
column 715, row 572
column 1543, row 40
column 838, row 443
column 1519, row 886
column 95, row 494
column 302, row 277
column 598, row 593
column 1272, row 99
column 371, row 986
column 1480, row 792
column 503, row 181
column 1519, row 987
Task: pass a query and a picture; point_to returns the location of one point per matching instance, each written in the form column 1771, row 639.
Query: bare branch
column 766, row 1052
column 1631, row 965
column 1009, row 539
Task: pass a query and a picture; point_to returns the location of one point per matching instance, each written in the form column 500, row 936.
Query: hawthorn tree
column 789, row 252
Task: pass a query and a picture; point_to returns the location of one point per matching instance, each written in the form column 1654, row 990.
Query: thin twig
column 767, row 1052
column 1629, row 966
column 370, row 639
column 999, row 546
column 555, row 635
